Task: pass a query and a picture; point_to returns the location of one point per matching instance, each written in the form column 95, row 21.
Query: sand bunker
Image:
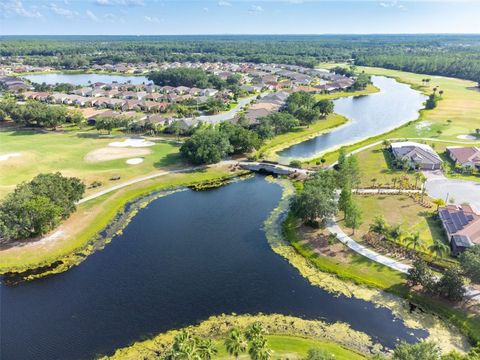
column 132, row 143
column 423, row 124
column 5, row 157
column 106, row 153
column 467, row 137
column 134, row 161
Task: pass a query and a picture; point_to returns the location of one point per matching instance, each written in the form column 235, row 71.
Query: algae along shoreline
column 217, row 327
column 446, row 335
column 113, row 227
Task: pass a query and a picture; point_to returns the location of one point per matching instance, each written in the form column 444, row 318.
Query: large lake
column 84, row 79
column 369, row 115
column 183, row 258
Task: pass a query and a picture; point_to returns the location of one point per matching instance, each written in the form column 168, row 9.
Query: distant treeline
column 448, row 55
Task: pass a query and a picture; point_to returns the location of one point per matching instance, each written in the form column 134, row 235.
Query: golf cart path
column 396, row 265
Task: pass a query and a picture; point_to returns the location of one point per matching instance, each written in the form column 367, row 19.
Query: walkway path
column 149, row 177
column 134, row 181
column 334, row 229
column 386, row 191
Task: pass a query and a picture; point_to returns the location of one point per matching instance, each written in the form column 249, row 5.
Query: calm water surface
column 369, row 115
column 184, row 258
column 84, row 79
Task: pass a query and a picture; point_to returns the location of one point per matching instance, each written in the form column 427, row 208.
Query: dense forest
column 448, row 55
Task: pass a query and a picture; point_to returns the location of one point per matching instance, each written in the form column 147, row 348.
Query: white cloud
column 255, row 9
column 120, row 2
column 393, row 4
column 62, row 11
column 91, row 15
column 152, row 19
column 224, row 3
column 15, row 7
column 205, row 9
column 112, row 18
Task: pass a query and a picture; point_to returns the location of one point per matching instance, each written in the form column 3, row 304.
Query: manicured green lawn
column 66, row 151
column 300, row 134
column 457, row 113
column 353, row 267
column 376, row 171
column 91, row 218
column 292, row 347
column 370, row 89
column 363, row 271
column 398, row 210
column 460, row 103
column 375, row 164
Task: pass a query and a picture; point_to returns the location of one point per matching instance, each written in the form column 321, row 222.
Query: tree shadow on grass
column 170, row 160
column 15, row 131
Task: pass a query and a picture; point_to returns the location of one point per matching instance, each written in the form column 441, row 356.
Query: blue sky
column 158, row 17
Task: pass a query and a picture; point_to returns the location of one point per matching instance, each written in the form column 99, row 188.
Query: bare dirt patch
column 114, row 153
column 318, row 241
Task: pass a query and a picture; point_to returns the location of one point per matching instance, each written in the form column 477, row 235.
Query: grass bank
column 457, row 113
column 370, row 89
column 72, row 154
column 288, row 337
column 362, row 271
column 299, row 134
column 76, row 237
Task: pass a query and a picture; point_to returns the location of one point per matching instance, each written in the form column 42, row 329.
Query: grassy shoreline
column 364, row 272
column 283, row 141
column 456, row 112
column 92, row 218
column 271, row 148
column 301, row 334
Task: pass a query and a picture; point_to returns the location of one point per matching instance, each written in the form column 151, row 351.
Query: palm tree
column 414, row 240
column 417, row 176
column 255, row 331
column 439, row 248
column 394, row 181
column 185, row 347
column 439, row 202
column 259, row 350
column 396, row 233
column 236, row 343
column 207, row 349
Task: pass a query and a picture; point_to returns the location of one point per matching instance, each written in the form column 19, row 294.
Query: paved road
column 439, row 186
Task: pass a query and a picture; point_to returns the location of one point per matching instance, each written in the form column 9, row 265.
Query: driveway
column 439, row 186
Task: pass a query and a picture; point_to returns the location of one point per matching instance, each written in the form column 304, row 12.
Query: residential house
column 253, row 116
column 465, row 156
column 208, row 92
column 462, row 226
column 417, row 155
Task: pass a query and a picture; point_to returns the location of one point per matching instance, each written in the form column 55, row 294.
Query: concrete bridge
column 273, row 168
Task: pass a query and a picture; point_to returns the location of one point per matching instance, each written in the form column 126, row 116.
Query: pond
column 369, row 115
column 84, row 79
column 183, row 258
